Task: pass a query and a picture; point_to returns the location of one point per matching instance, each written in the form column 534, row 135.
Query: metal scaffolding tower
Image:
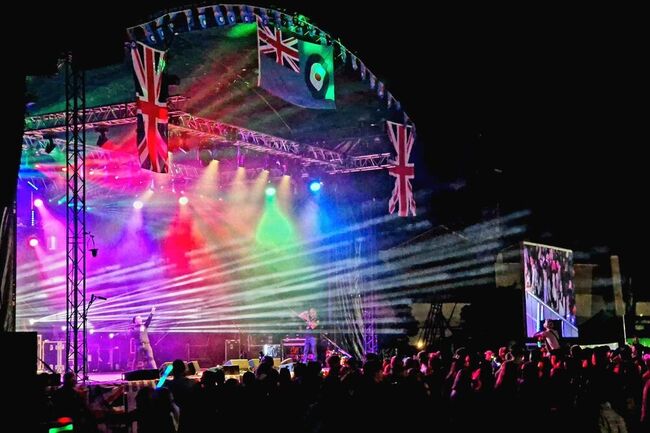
column 75, row 134
column 435, row 327
column 369, row 322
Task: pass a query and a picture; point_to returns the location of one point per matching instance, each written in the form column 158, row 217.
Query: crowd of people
column 572, row 389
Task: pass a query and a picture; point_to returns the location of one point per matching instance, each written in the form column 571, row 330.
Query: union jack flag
column 402, row 137
column 272, row 42
column 148, row 65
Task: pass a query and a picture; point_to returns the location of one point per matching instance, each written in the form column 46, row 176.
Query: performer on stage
column 143, row 351
column 310, row 350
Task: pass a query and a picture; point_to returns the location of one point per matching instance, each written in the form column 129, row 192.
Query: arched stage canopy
column 213, row 52
column 201, row 240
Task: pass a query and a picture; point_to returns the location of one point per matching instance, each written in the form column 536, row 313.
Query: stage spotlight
column 38, row 202
column 264, row 17
column 33, row 242
column 280, row 167
column 294, row 169
column 183, row 200
column 218, row 16
column 270, row 191
column 267, row 163
column 202, row 20
column 277, row 18
column 205, row 156
column 246, row 14
column 160, row 27
column 102, row 139
column 315, row 185
column 91, row 242
column 137, row 204
column 50, row 146
column 232, row 19
column 191, row 24
column 150, row 33
column 111, row 335
column 285, row 167
column 240, row 157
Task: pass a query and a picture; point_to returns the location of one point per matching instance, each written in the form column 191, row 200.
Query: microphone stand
column 85, row 320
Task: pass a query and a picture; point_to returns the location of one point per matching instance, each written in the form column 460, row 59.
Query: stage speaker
column 53, row 379
column 142, row 375
column 19, row 368
column 23, row 346
column 241, row 363
column 232, row 349
column 193, row 367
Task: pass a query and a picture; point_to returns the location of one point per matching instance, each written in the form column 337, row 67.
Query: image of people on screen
column 548, row 275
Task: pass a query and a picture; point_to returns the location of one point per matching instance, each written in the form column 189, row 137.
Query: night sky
column 524, row 108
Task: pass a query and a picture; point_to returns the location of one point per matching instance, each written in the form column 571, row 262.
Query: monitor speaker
column 142, row 375
column 241, row 363
column 193, row 367
column 232, row 349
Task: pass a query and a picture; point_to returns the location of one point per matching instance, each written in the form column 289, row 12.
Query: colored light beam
column 274, row 228
column 50, row 221
column 238, row 191
column 208, row 183
column 242, row 30
column 284, row 195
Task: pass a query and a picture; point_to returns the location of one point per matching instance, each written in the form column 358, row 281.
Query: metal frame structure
column 75, row 137
column 333, row 162
column 106, row 115
column 369, row 325
column 435, row 327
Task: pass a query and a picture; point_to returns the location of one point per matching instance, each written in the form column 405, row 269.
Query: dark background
column 516, row 109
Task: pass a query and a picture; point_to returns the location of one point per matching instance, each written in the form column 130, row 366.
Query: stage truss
column 75, row 141
column 39, row 128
